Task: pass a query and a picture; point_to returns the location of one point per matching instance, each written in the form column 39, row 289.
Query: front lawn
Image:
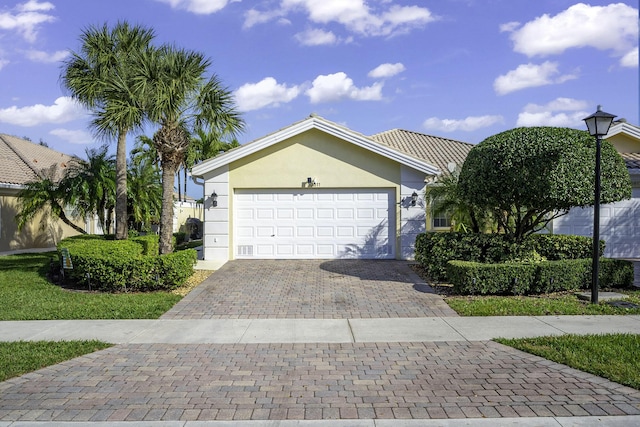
column 26, row 294
column 538, row 305
column 18, row 358
column 612, row 356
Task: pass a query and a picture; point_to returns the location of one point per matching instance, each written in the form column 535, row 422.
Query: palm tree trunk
column 121, row 186
column 66, row 220
column 166, row 214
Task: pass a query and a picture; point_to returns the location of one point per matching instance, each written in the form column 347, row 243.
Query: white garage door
column 315, row 223
column 619, row 226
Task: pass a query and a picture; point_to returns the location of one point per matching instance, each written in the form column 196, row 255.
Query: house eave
column 624, row 128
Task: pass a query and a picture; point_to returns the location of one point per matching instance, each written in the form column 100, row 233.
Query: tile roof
column 23, row 161
column 632, row 160
column 436, row 150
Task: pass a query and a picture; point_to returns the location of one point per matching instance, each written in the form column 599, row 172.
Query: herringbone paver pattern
column 312, row 289
column 310, row 381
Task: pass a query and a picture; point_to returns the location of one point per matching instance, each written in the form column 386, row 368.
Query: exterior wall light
column 214, row 199
column 598, row 124
column 414, row 198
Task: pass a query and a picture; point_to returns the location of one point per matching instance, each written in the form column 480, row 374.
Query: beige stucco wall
column 624, row 143
column 331, row 161
column 33, row 235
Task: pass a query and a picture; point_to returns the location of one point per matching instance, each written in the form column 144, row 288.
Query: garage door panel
column 345, row 231
column 304, row 213
column 284, row 250
column 344, row 213
column 265, row 231
column 365, row 213
column 324, row 213
column 619, row 226
column 264, row 250
column 305, row 232
column 245, row 214
column 325, row 251
column 245, row 232
column 285, row 213
column 315, row 223
column 324, row 231
column 285, row 232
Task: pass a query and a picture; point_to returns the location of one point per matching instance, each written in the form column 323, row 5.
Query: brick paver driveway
column 277, row 381
column 313, row 289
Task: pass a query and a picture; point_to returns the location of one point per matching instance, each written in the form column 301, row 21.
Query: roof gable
column 323, row 125
column 23, row 161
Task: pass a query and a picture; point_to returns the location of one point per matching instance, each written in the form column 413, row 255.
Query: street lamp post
column 598, row 124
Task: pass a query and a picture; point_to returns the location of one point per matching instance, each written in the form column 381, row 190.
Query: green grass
column 542, row 305
column 18, row 358
column 612, row 356
column 27, row 295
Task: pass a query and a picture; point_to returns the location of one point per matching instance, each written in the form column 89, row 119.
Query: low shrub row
column 126, row 265
column 522, row 278
column 435, row 250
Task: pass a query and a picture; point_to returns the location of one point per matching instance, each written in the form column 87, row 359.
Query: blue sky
column 461, row 69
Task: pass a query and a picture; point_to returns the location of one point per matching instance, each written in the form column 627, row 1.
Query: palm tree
column 444, row 198
column 179, row 97
column 204, row 145
column 145, row 191
column 46, row 196
column 100, row 77
column 92, row 184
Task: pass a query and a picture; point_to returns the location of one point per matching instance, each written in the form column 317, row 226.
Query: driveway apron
column 312, row 289
column 310, row 381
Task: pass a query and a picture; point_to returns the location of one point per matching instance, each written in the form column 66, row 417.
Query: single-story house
column 21, row 162
column 316, row 189
column 620, row 221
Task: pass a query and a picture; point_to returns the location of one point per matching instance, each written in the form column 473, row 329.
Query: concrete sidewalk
column 264, row 331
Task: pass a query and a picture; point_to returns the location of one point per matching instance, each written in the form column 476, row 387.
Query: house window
column 440, row 219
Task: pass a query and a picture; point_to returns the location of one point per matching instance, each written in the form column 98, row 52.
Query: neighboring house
column 620, row 221
column 316, row 189
column 186, row 213
column 22, row 161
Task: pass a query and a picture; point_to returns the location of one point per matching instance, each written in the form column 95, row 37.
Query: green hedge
column 126, row 265
column 434, row 250
column 473, row 278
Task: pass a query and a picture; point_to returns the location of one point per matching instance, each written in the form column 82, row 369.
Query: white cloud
column 468, row 124
column 316, row 37
column 356, row 16
column 630, row 59
column 612, row 27
column 254, row 17
column 530, row 75
column 338, row 86
column 265, row 93
column 3, row 62
column 386, row 70
column 35, row 6
column 73, row 136
column 46, row 57
column 199, row 7
column 561, row 112
column 509, row 27
column 63, row 110
column 27, row 19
